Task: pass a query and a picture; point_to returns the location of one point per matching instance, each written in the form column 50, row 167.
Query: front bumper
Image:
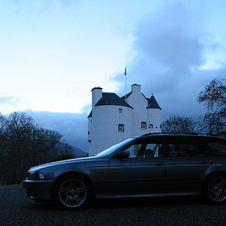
column 38, row 190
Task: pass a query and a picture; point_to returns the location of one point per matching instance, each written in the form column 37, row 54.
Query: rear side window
column 186, row 147
column 218, row 147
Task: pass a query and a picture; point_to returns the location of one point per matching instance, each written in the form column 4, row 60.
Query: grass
column 13, row 186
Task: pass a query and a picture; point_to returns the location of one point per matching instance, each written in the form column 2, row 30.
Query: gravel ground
column 16, row 209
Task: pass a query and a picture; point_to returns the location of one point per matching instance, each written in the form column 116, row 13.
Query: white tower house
column 114, row 119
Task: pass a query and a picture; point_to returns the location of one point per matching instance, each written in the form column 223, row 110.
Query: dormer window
column 120, row 110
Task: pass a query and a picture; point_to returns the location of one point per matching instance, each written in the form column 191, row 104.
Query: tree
column 3, row 122
column 214, row 99
column 178, row 125
column 24, row 144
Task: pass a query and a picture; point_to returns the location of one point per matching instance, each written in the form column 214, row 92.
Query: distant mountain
column 78, row 153
column 67, row 149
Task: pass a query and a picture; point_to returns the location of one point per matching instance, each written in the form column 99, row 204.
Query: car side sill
column 106, row 196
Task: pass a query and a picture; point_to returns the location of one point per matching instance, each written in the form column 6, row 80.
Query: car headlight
column 34, row 175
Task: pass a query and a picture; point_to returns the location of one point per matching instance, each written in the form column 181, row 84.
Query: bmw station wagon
column 146, row 166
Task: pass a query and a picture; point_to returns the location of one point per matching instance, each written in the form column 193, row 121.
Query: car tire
column 215, row 189
column 71, row 192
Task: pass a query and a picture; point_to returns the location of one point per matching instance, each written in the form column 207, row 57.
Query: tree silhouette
column 214, row 98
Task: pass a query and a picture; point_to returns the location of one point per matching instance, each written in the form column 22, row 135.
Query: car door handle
column 159, row 163
column 203, row 162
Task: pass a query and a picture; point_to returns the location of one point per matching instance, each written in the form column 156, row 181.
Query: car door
column 187, row 161
column 142, row 172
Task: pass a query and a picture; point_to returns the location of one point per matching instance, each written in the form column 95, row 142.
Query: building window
column 143, row 125
column 150, row 126
column 121, row 128
column 120, row 110
column 136, row 148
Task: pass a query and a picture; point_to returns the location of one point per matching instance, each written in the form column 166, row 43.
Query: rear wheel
column 72, row 192
column 215, row 189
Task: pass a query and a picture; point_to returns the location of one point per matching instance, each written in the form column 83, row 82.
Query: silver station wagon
column 146, row 166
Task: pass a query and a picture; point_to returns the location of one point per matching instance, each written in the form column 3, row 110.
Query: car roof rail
column 172, row 133
column 147, row 134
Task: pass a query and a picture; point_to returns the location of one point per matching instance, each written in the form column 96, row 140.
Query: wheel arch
column 75, row 173
column 211, row 174
column 218, row 193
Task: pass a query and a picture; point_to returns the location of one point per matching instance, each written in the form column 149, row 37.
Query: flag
column 125, row 70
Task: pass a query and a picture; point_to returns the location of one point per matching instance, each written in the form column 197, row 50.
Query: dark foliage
column 213, row 122
column 24, row 144
column 214, row 98
column 179, row 125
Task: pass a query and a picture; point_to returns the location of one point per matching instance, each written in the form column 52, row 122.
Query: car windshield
column 115, row 147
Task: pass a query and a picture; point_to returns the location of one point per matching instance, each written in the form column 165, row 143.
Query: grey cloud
column 167, row 50
column 167, row 42
column 168, row 56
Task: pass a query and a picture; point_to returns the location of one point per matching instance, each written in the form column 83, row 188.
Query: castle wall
column 154, row 120
column 103, row 127
column 139, row 104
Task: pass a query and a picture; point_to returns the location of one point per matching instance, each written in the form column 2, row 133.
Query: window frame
column 119, row 128
column 143, row 127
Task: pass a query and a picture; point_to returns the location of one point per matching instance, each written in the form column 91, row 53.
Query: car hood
column 62, row 162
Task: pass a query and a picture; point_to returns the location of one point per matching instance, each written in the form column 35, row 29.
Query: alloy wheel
column 217, row 189
column 72, row 193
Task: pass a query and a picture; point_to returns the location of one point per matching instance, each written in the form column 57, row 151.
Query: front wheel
column 215, row 189
column 71, row 192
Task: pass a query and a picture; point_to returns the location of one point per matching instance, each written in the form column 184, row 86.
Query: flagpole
column 125, row 79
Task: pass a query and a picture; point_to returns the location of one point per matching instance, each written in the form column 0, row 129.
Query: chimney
column 96, row 95
column 135, row 88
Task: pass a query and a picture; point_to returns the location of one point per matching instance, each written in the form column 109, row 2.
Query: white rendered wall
column 139, row 104
column 96, row 95
column 104, row 127
column 154, row 118
column 90, row 125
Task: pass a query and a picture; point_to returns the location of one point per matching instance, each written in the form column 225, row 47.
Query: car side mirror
column 122, row 155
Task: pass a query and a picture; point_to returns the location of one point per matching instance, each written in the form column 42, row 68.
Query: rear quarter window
column 218, row 147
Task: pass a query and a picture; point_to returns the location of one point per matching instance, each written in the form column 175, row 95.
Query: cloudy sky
column 53, row 52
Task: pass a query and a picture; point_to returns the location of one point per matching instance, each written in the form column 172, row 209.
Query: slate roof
column 126, row 96
column 90, row 114
column 112, row 99
column 152, row 103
